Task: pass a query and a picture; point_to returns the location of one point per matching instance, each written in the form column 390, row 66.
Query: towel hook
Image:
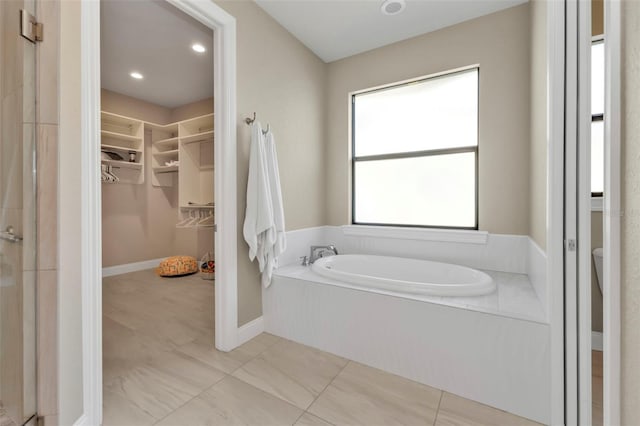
column 250, row 120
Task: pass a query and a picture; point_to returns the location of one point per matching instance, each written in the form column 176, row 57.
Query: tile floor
column 161, row 367
column 596, row 388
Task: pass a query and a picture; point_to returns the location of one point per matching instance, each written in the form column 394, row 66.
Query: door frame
column 578, row 322
column 556, row 25
column 226, row 305
column 612, row 212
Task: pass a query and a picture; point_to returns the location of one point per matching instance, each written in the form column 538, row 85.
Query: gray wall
column 285, row 84
column 538, row 131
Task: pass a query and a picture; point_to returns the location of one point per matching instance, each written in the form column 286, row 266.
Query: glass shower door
column 17, row 218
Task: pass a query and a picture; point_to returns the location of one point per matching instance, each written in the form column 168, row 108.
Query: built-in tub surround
column 517, row 254
column 476, row 346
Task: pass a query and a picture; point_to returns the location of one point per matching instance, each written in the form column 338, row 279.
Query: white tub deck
column 515, row 296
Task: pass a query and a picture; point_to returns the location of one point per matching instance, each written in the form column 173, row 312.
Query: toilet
column 598, row 261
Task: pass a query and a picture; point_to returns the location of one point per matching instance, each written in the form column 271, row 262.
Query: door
column 17, row 218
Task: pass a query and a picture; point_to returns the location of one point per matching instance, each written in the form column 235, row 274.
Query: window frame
column 416, row 154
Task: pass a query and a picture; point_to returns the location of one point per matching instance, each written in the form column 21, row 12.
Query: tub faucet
column 318, row 251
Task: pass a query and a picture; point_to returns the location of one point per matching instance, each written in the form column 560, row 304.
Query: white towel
column 280, row 243
column 259, row 226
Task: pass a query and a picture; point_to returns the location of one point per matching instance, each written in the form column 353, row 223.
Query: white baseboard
column 596, row 341
column 250, row 330
column 131, row 267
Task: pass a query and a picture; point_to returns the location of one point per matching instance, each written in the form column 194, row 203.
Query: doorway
column 223, row 24
column 158, row 204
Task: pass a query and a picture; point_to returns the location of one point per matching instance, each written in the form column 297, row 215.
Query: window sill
column 596, row 204
column 421, row 234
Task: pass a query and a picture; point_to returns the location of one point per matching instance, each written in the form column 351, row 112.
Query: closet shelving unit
column 195, row 183
column 123, row 135
column 164, row 148
column 190, row 142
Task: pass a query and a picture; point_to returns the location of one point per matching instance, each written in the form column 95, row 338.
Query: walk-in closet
column 158, row 204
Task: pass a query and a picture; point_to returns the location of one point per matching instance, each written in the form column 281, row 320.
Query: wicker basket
column 208, row 267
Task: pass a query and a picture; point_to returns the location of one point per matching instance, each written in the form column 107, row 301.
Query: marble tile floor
column 161, row 368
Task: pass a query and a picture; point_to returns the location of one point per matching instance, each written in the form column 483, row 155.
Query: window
column 415, row 153
column 597, row 118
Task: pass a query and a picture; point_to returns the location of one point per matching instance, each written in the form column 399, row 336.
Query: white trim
column 596, row 341
column 442, row 235
column 583, row 215
column 226, row 306
column 555, row 201
column 571, row 278
column 83, row 420
column 250, row 330
column 91, row 214
column 110, row 271
column 597, row 204
column 612, row 213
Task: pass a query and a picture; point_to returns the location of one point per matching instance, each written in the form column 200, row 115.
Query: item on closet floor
column 176, row 266
column 208, row 267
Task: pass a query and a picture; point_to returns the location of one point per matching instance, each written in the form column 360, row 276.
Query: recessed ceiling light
column 136, row 75
column 197, row 47
column 392, row 7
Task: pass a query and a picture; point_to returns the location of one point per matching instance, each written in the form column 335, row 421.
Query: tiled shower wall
column 17, row 94
column 17, row 265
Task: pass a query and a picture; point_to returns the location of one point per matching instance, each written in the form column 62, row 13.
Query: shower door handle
column 9, row 235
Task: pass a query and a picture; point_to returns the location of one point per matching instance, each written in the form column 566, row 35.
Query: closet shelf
column 122, row 164
column 204, row 137
column 166, row 169
column 120, row 136
column 171, row 153
column 166, row 143
column 104, row 147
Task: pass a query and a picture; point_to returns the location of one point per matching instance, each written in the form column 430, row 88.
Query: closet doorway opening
column 165, row 105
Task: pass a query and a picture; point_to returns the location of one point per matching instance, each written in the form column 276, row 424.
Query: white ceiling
column 154, row 38
column 336, row 29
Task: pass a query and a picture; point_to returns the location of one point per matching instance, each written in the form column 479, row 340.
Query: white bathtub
column 405, row 276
